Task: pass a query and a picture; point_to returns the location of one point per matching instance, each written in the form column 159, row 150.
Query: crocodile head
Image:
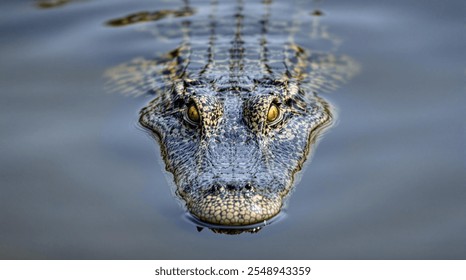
column 234, row 151
column 235, row 110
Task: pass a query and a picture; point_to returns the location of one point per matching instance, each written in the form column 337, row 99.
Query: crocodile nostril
column 218, row 188
column 232, row 187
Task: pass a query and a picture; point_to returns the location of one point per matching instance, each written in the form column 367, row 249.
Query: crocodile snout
column 232, row 205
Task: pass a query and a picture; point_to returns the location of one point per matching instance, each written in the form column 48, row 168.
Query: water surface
column 80, row 180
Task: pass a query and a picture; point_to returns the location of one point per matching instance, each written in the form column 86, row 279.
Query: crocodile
column 236, row 105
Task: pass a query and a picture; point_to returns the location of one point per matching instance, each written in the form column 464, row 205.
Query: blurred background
column 80, row 180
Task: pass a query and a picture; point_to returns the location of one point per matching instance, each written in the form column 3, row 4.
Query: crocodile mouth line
column 234, row 229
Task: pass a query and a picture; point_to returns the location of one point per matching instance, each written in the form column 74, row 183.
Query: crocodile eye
column 193, row 114
column 273, row 115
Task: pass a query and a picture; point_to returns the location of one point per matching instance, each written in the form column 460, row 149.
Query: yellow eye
column 273, row 113
column 193, row 113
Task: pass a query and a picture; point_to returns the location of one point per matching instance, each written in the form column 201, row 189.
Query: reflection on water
column 79, row 180
column 150, row 16
column 48, row 4
column 227, row 67
column 232, row 230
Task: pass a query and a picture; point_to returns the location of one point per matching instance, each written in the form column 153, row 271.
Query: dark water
column 79, row 179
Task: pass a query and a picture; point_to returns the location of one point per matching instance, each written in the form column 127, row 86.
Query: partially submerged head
column 234, row 151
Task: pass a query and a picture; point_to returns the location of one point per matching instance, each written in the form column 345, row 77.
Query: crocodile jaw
column 235, row 208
